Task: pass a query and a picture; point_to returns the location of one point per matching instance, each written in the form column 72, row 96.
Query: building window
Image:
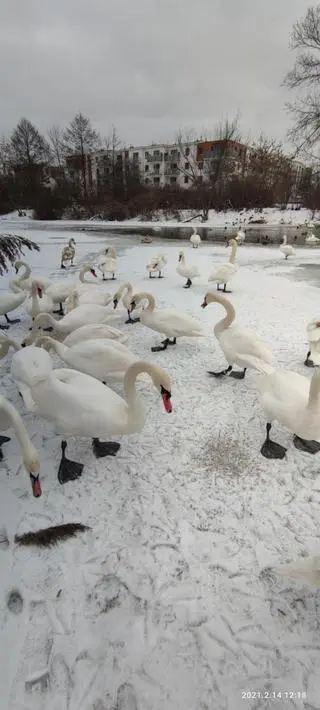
column 173, row 180
column 186, row 166
column 166, row 156
column 126, row 154
column 146, row 168
column 187, row 151
column 135, row 156
column 157, row 167
column 146, row 155
column 147, row 181
column 156, row 180
column 186, row 179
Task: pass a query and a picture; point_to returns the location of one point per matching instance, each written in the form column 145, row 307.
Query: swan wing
column 93, row 332
column 79, row 404
column 242, row 342
column 170, row 320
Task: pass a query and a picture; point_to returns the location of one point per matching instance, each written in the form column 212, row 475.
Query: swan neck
column 147, row 297
column 26, row 273
column 232, row 257
column 135, row 411
column 314, row 392
column 225, row 322
column 18, row 427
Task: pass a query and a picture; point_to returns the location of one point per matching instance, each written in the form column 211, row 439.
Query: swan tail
column 48, row 537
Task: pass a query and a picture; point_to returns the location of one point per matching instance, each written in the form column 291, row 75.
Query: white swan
column 306, row 570
column 107, row 263
column 24, row 281
column 68, row 253
column 92, row 295
column 241, row 347
column 80, row 405
column 106, row 360
column 10, row 419
column 287, row 249
column 313, row 334
column 195, row 239
column 38, row 303
column 83, row 315
column 294, row 401
column 223, row 273
column 241, row 235
column 188, row 271
column 166, row 320
column 60, row 290
column 10, row 301
column 94, row 331
column 156, row 265
column 126, row 292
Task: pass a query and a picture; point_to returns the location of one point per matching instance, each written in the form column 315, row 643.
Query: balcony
column 154, row 158
column 171, row 171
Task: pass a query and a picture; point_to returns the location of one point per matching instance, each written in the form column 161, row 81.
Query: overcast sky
column 148, row 66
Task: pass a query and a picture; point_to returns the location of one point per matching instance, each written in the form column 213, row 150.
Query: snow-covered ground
column 273, row 217
column 161, row 606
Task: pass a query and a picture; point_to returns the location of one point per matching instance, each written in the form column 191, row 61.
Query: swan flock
column 80, row 323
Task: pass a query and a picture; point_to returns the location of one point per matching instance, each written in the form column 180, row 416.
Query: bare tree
column 55, row 135
column 79, row 139
column 29, row 153
column 271, row 168
column 114, row 168
column 5, row 156
column 305, row 77
column 209, row 163
column 28, row 146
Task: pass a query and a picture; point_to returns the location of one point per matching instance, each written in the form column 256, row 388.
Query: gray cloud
column 148, row 66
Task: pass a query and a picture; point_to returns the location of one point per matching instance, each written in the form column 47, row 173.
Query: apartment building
column 169, row 164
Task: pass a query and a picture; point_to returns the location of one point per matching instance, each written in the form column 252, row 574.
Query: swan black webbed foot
column 68, row 470
column 132, row 320
column 3, row 440
column 15, row 320
column 310, row 447
column 238, row 375
column 270, row 449
column 225, row 290
column 188, row 284
column 308, row 362
column 104, row 448
column 62, row 266
column 222, row 373
column 165, row 343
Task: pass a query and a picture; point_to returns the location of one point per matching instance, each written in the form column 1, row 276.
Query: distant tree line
column 49, row 174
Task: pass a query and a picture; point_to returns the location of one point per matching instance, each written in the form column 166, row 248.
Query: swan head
column 32, row 464
column 72, row 241
column 18, row 265
column 92, row 271
column 162, row 383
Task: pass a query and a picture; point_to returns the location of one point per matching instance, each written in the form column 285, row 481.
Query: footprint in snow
column 105, row 594
column 14, row 601
column 126, row 698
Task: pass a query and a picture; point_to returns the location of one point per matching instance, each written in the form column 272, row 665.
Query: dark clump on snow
column 50, row 536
